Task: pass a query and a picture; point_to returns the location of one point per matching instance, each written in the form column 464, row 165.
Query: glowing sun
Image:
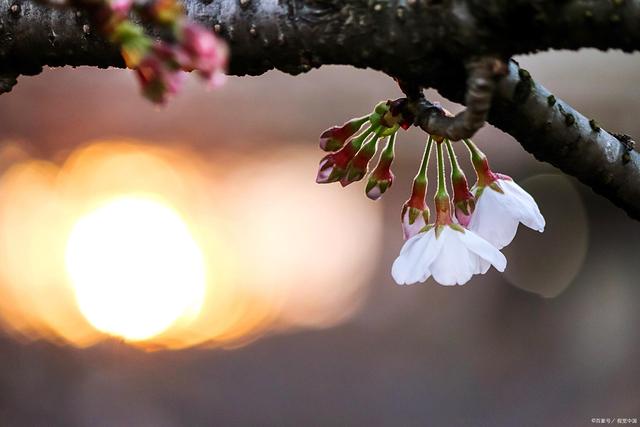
column 135, row 268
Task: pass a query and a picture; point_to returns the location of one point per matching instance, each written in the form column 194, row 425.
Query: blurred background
column 285, row 312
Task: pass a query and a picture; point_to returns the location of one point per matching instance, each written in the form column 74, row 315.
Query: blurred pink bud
column 121, row 7
column 203, row 52
column 157, row 79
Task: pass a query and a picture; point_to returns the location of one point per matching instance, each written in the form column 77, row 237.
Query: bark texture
column 423, row 43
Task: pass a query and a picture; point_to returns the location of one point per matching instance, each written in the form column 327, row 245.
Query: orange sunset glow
column 158, row 248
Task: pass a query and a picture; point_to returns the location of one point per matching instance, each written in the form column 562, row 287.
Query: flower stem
column 422, row 173
column 453, row 159
column 480, row 164
column 442, row 187
column 477, row 156
column 360, row 139
column 442, row 200
column 420, row 182
column 389, row 150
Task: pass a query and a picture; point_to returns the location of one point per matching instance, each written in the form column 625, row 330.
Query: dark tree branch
column 555, row 133
column 483, row 76
column 423, row 43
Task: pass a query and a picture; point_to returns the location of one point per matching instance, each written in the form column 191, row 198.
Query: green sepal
column 134, row 43
column 426, row 215
column 496, row 187
column 426, row 228
column 457, row 227
column 413, row 215
column 384, row 185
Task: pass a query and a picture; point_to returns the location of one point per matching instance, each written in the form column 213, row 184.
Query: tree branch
column 426, row 43
column 484, row 73
column 554, row 132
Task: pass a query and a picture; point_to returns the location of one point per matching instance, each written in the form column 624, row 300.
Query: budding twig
column 483, row 76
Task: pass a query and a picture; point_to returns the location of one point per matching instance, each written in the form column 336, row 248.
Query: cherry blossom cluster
column 467, row 232
column 161, row 63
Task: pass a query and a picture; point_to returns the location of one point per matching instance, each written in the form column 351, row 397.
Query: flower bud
column 379, row 183
column 359, row 165
column 134, row 43
column 382, row 177
column 334, row 138
column 463, row 200
column 202, row 51
column 121, row 7
column 415, row 212
column 333, row 167
column 157, row 79
column 166, row 12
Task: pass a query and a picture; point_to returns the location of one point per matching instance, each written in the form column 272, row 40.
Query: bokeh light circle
column 135, row 268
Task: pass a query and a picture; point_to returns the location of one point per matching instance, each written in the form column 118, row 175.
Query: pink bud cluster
column 160, row 64
column 353, row 145
column 162, row 70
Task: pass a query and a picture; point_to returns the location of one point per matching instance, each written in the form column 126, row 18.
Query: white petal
column 483, row 266
column 453, row 266
column 431, row 253
column 524, row 205
column 402, row 266
column 484, row 250
column 415, row 258
column 492, row 221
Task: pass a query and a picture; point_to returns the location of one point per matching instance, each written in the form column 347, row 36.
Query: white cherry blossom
column 500, row 207
column 449, row 254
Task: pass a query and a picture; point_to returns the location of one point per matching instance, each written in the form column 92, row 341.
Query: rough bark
column 428, row 43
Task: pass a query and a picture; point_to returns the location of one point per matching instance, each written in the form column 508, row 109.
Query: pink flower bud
column 203, row 52
column 158, row 80
column 415, row 212
column 333, row 167
column 413, row 220
column 359, row 165
column 381, row 178
column 463, row 199
column 121, row 7
column 376, row 187
column 334, row 138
